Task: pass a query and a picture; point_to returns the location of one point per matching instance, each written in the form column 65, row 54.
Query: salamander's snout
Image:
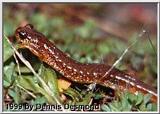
column 17, row 33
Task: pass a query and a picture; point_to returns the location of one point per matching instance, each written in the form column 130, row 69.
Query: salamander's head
column 24, row 34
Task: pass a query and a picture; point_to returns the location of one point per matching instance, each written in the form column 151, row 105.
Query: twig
column 26, row 91
column 93, row 85
column 17, row 64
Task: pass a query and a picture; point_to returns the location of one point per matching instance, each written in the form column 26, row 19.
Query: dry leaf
column 63, row 84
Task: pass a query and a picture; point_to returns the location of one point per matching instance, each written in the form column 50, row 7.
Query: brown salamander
column 39, row 45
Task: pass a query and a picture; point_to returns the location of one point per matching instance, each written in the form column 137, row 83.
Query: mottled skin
column 39, row 45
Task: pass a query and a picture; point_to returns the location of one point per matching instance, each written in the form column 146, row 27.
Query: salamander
column 88, row 73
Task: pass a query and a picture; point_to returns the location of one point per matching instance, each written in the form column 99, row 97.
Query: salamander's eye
column 29, row 26
column 22, row 34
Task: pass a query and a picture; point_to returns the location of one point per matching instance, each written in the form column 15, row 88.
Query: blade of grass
column 123, row 54
column 48, row 90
